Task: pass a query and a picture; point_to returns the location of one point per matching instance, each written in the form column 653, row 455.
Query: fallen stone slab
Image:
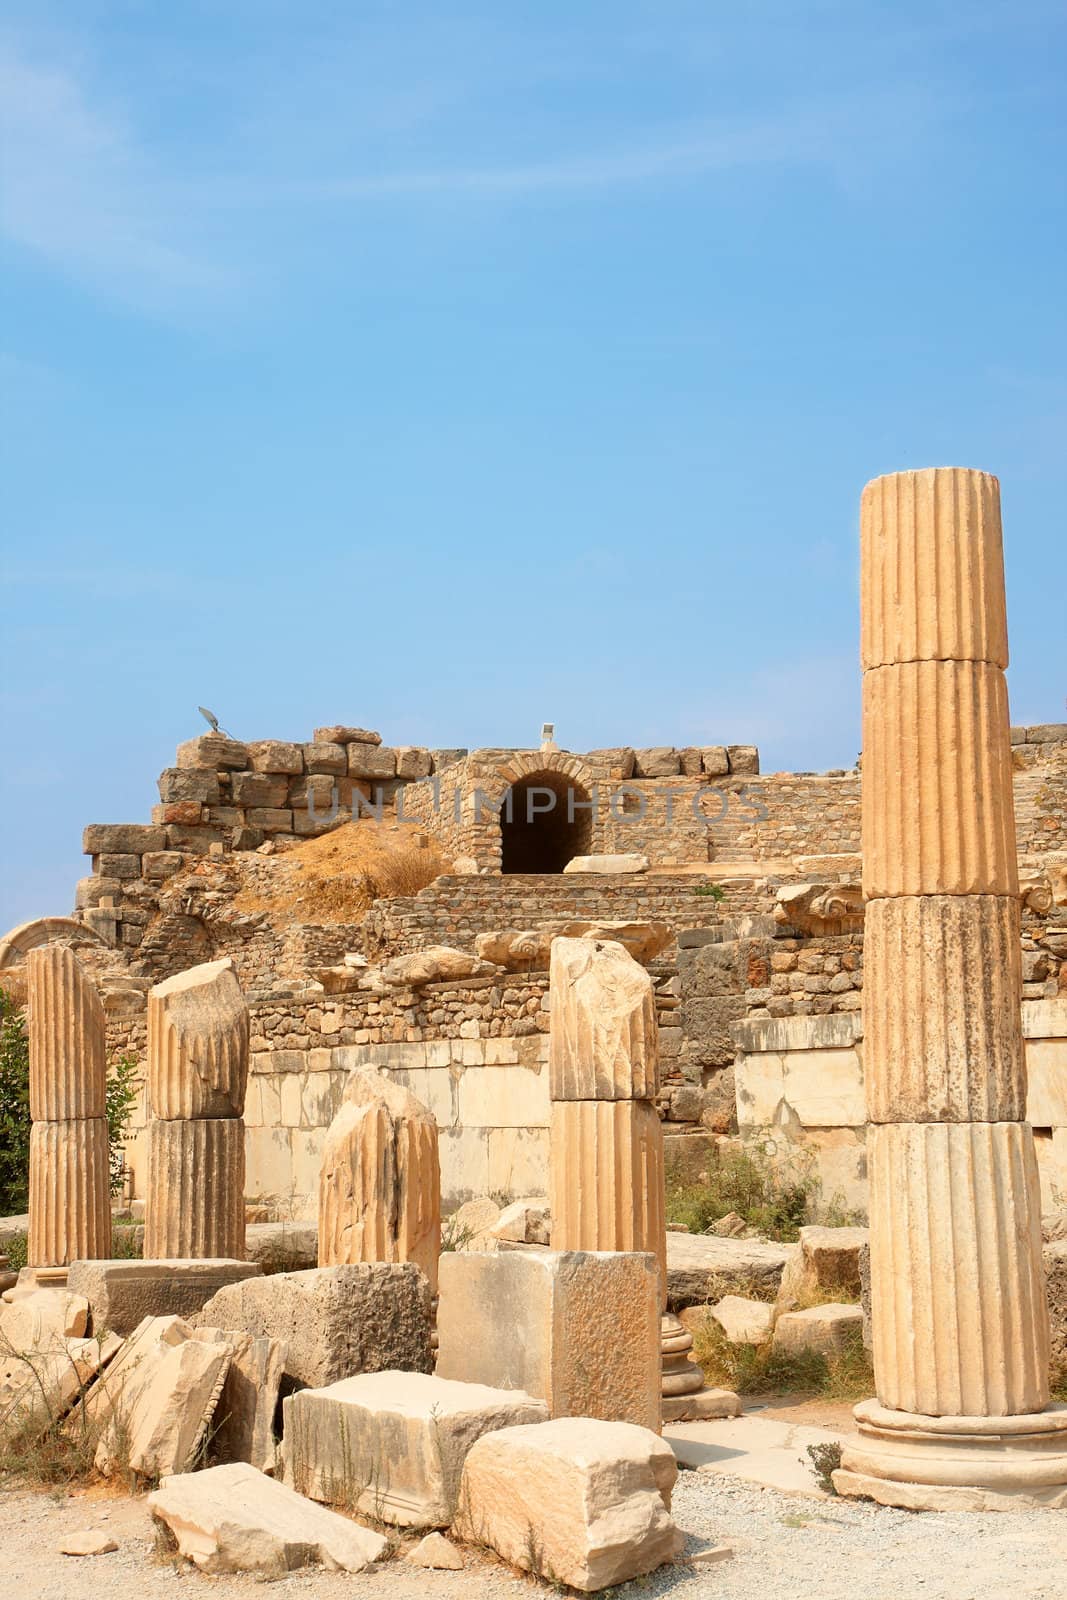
column 43, row 1387
column 825, row 1259
column 524, row 1222
column 701, row 1268
column 242, row 1427
column 233, row 1519
column 436, row 1553
column 577, row 1502
column 392, row 1444
column 757, row 1449
column 158, row 1423
column 578, row 1329
column 41, row 1319
column 334, row 1321
column 123, row 1293
column 743, row 1321
column 826, row 1329
column 608, row 863
column 91, row 1542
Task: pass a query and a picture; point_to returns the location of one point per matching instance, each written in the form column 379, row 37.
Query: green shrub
column 775, row 1197
column 760, row 1369
column 120, row 1099
column 14, row 1108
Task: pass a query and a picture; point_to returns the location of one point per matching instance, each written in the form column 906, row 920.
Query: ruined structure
column 960, row 1321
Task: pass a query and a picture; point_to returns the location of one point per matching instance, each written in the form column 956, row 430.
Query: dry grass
column 760, row 1369
column 45, row 1441
column 338, row 876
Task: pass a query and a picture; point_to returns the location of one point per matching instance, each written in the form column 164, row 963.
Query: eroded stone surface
column 602, row 1041
column 198, row 1044
column 123, row 1293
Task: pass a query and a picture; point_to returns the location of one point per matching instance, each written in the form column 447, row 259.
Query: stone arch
column 16, row 945
column 547, row 813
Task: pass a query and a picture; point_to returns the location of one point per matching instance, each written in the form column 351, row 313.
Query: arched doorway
column 546, row 820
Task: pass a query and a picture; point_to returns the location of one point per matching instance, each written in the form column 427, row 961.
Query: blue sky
column 447, row 368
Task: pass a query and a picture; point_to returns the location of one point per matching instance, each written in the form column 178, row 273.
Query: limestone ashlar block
column 932, row 568
column 198, row 1044
column 70, row 1197
column 68, row 1038
column 602, row 1038
column 606, row 1175
column 938, row 814
column 159, row 1421
column 578, row 1502
column 392, row 1444
column 123, row 1293
column 580, row 1331
column 195, row 1206
column 941, row 995
column 960, row 1323
column 243, row 1425
column 233, row 1519
column 334, row 1321
column 380, row 1183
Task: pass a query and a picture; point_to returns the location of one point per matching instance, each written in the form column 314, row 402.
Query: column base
column 956, row 1463
column 685, row 1397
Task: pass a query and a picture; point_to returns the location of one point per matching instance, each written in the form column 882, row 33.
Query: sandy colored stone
column 574, row 1501
column 435, row 1552
column 436, row 963
column 932, row 568
column 89, row 1542
column 960, row 1324
column 602, row 1038
column 70, row 1199
column 194, row 1206
column 944, row 1497
column 580, row 1331
column 158, row 1424
column 938, row 811
column 47, row 1385
column 824, row 1259
column 473, row 1225
column 702, row 1268
column 68, row 1037
column 198, row 1044
column 123, row 1293
column 524, row 1222
column 743, row 1321
column 380, row 1181
column 242, row 1428
column 614, row 864
column 333, row 1321
column 942, row 1030
column 826, row 1329
column 607, row 1177
column 529, row 949
column 233, row 1519
column 392, row 1444
column 38, row 1319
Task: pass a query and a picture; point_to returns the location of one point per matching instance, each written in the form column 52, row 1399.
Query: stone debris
column 123, row 1293
column 333, row 1321
column 39, row 1387
column 392, row 1444
column 702, row 1269
column 158, row 1421
column 233, row 1519
column 743, row 1321
column 1055, row 1256
column 435, row 1552
column 474, row 1225
column 608, row 863
column 38, row 1319
column 524, row 1222
column 92, row 1542
column 573, row 1501
column 826, row 1329
column 579, row 1330
column 434, row 964
column 242, row 1427
column 824, row 1259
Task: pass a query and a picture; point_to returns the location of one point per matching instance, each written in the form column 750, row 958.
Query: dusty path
column 785, row 1548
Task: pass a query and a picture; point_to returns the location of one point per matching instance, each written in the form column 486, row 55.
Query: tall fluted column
column 380, row 1180
column 197, row 1076
column 960, row 1321
column 70, row 1201
column 605, row 1136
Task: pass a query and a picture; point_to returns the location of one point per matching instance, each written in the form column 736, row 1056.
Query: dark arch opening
column 545, row 821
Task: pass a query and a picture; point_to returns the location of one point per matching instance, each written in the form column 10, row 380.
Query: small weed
column 825, row 1460
column 776, row 1197
column 455, row 1235
column 760, row 1369
column 710, row 891
column 14, row 1248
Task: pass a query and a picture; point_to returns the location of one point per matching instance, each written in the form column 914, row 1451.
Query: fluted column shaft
column 960, row 1322
column 70, row 1198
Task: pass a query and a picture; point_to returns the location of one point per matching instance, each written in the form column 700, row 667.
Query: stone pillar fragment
column 197, row 1077
column 196, row 1185
column 380, row 1180
column 960, row 1321
column 602, row 1038
column 606, row 1180
column 70, row 1192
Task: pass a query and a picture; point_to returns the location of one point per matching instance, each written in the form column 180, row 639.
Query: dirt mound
column 337, row 876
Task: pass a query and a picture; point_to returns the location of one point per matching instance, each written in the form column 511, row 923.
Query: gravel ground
column 785, row 1548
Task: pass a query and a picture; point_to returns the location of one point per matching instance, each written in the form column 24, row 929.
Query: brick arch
column 543, row 842
column 16, row 945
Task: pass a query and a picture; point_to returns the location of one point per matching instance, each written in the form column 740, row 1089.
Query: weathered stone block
column 577, row 1502
column 123, row 867
column 338, row 733
column 273, row 755
column 826, row 1329
column 189, row 783
column 578, row 1330
column 743, row 1321
column 123, row 1293
column 158, row 1421
column 413, row 763
column 602, row 1040
column 243, row 1424
column 159, row 864
column 743, row 758
column 393, row 1444
column 1055, row 1255
column 334, row 1321
column 198, row 1043
column 370, row 761
column 659, row 761
column 824, row 1259
column 122, row 838
column 233, row 1519
column 212, row 750
column 324, row 755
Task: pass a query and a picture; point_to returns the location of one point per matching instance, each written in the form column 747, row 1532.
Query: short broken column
column 606, row 1139
column 70, row 1199
column 960, row 1322
column 197, row 1076
column 380, row 1179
